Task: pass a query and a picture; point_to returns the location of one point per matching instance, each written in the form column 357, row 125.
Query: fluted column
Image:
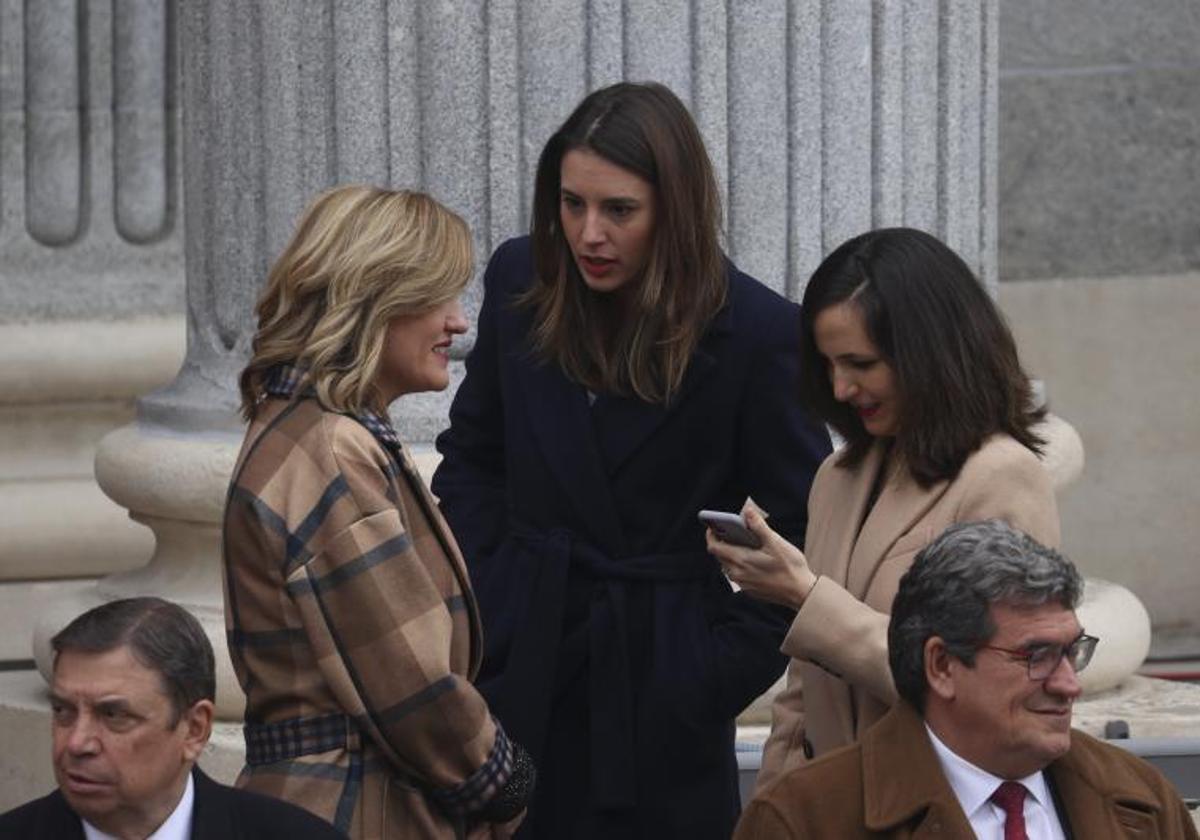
column 91, row 283
column 823, row 119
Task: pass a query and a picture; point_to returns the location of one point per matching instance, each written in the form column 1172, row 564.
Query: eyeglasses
column 1042, row 660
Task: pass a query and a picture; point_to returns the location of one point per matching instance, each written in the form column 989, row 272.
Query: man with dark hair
column 131, row 711
column 984, row 647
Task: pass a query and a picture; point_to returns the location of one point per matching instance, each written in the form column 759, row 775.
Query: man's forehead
column 109, row 673
column 1022, row 622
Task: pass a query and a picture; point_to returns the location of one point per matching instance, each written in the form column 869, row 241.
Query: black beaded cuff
column 516, row 793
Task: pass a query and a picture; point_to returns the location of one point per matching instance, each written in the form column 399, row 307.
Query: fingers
column 758, row 525
column 726, row 553
column 753, row 505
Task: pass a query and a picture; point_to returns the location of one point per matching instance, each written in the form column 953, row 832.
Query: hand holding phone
column 730, row 528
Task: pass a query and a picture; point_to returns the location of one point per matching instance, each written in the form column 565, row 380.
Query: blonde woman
column 351, row 621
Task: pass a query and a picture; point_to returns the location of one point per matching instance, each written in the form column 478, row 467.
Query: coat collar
column 285, row 380
column 623, row 424
column 925, row 798
column 560, row 418
column 210, row 819
column 867, row 535
column 901, row 505
column 441, row 530
column 1097, row 801
column 585, row 445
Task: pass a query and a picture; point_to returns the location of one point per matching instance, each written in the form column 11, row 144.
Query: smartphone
column 730, row 528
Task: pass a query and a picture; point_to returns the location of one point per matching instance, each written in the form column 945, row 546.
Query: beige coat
column 838, row 682
column 891, row 785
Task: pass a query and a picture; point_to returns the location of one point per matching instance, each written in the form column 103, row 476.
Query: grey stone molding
column 89, row 221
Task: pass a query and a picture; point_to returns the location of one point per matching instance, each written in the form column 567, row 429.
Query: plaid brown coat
column 353, row 632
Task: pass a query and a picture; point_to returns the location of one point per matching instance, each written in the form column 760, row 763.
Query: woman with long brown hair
column 904, row 354
column 625, row 376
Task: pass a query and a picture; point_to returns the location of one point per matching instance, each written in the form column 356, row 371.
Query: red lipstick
column 597, row 266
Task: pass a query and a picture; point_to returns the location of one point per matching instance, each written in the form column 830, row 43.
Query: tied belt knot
column 533, row 657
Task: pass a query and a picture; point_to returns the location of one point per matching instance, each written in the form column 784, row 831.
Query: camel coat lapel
column 849, row 551
column 838, row 681
column 901, row 506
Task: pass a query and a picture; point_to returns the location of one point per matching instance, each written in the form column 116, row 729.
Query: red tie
column 1010, row 796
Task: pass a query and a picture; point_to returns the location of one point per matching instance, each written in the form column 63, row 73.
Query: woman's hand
column 777, row 572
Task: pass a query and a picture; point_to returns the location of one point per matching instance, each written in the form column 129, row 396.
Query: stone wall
column 1100, row 224
column 1121, row 360
column 1099, row 119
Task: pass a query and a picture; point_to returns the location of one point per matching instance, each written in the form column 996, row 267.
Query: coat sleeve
column 779, row 449
column 784, row 747
column 841, row 634
column 470, row 480
column 762, row 821
column 380, row 629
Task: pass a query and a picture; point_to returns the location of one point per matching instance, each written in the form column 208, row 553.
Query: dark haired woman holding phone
column 907, row 357
column 625, row 376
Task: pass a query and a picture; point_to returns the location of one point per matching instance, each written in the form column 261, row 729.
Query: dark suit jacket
column 890, row 785
column 218, row 813
column 614, row 648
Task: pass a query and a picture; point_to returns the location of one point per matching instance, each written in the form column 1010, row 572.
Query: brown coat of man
column 356, row 652
column 856, row 792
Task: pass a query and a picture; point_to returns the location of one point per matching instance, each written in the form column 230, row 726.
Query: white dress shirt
column 178, row 826
column 974, row 788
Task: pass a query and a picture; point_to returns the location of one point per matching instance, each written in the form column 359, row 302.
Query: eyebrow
column 108, row 701
column 113, row 703
column 1040, row 642
column 618, row 199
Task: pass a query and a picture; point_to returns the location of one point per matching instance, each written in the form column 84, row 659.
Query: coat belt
column 282, row 740
column 533, row 657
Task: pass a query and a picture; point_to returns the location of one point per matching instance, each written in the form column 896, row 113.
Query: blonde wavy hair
column 360, row 257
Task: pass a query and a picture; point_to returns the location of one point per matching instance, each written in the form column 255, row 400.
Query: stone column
column 91, row 284
column 822, row 121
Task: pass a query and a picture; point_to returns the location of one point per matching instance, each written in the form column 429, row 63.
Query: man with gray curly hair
column 984, row 648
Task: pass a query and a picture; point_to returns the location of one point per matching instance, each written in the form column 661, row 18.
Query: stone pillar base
column 174, row 483
column 23, row 604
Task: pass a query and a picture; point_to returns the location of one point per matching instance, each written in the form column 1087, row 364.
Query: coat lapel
column 560, row 417
column 833, row 532
column 623, row 424
column 1100, row 804
column 211, row 819
column 923, row 799
column 441, row 530
column 901, row 504
column 57, row 819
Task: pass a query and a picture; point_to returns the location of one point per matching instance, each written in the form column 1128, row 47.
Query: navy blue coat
column 615, row 650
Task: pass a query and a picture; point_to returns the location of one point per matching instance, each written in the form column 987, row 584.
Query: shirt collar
column 177, row 826
column 282, row 380
column 974, row 786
